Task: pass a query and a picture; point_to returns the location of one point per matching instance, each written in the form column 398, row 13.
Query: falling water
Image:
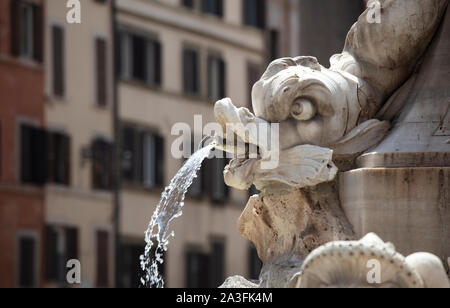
column 169, row 207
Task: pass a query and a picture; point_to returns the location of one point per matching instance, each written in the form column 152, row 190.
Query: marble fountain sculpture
column 338, row 127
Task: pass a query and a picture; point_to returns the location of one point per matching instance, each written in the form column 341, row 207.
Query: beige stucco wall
column 161, row 109
column 78, row 116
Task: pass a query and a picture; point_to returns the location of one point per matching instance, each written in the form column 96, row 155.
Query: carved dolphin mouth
column 298, row 166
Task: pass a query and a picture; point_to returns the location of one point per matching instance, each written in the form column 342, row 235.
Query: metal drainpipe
column 116, row 151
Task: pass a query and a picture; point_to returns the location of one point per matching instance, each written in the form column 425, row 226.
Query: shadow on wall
column 325, row 38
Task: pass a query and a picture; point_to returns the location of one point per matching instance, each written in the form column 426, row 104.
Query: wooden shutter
column 58, row 61
column 102, row 259
column 139, row 50
column 40, row 159
column 66, row 159
column 159, row 160
column 15, row 26
column 52, row 262
column 101, row 62
column 27, row 259
column 217, row 264
column 129, row 153
column 222, row 78
column 157, row 62
column 71, row 244
column 261, row 11
column 38, row 33
column 190, row 72
column 25, row 154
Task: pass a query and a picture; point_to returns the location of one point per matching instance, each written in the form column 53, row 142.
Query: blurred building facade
column 78, row 111
column 64, row 113
column 22, row 141
column 196, row 53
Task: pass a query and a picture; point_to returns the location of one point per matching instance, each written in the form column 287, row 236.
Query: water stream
column 169, row 207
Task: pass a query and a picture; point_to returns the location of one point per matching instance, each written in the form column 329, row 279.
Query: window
column 274, row 43
column 210, row 181
column 131, row 271
column 188, row 3
column 26, row 30
column 214, row 7
column 58, row 61
column 253, row 75
column 101, row 71
column 217, row 263
column 206, row 270
column 103, row 259
column 58, row 158
column 254, row 264
column 61, row 245
column 142, row 157
column 255, row 13
column 27, row 277
column 197, row 270
column 191, row 72
column 140, row 58
column 33, row 155
column 102, row 155
column 216, row 78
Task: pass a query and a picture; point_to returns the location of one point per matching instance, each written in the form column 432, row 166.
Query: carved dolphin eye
column 303, row 109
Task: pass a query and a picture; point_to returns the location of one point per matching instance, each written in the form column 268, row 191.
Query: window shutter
column 118, row 37
column 15, row 27
column 222, row 78
column 66, row 159
column 128, row 153
column 159, row 160
column 210, row 77
column 27, row 259
column 40, row 159
column 52, row 260
column 157, row 62
column 261, row 11
column 102, row 259
column 101, row 61
column 58, row 61
column 25, row 154
column 217, row 264
column 37, row 33
column 139, row 50
column 71, row 243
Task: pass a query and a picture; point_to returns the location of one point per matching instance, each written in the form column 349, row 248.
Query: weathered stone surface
column 369, row 263
column 287, row 226
column 406, row 206
column 238, row 282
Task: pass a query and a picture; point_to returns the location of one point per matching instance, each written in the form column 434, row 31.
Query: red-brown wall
column 21, row 98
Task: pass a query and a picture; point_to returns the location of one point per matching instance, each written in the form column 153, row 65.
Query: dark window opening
column 61, row 245
column 210, row 181
column 216, row 78
column 142, row 157
column 26, row 30
column 102, row 156
column 27, row 262
column 58, row 61
column 102, row 259
column 191, row 69
column 214, row 7
column 33, row 158
column 206, row 270
column 58, row 158
column 140, row 59
column 255, row 13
